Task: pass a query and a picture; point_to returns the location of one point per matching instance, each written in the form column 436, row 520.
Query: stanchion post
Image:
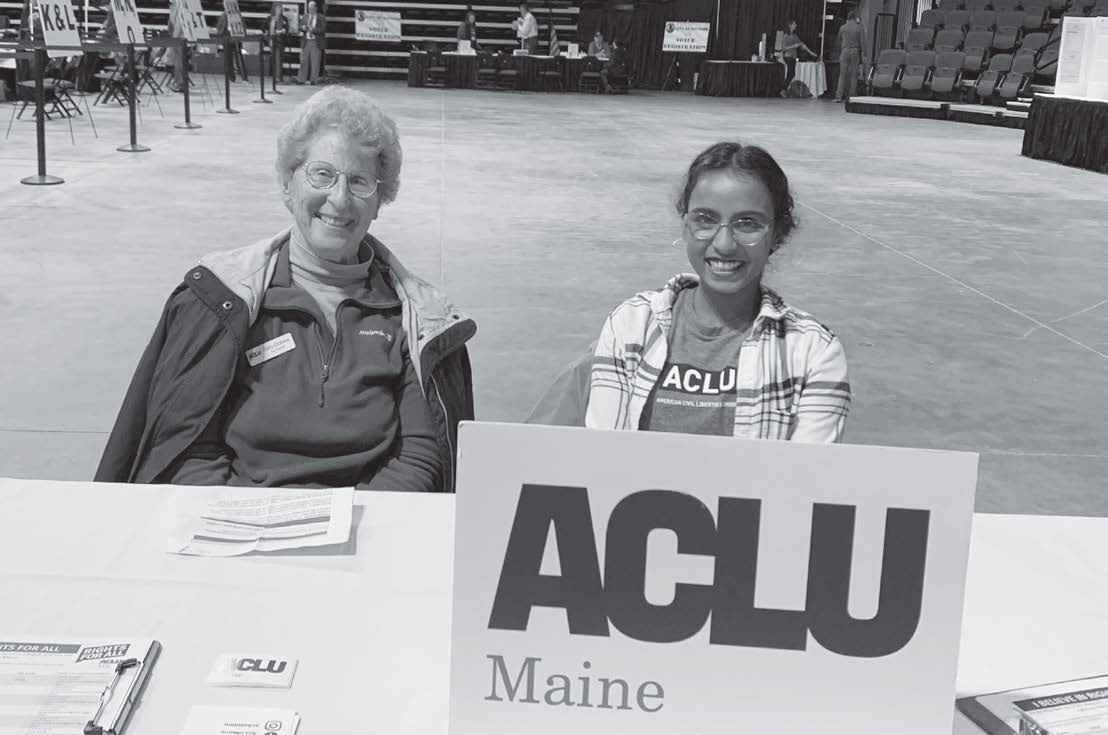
column 261, row 72
column 132, row 92
column 42, row 178
column 188, row 124
column 227, row 79
column 278, row 59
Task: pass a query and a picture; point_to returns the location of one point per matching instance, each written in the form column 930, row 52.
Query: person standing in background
column 527, row 29
column 790, row 46
column 311, row 45
column 467, row 29
column 852, row 41
column 278, row 34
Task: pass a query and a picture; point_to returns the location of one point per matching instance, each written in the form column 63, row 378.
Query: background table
column 371, row 626
column 1069, row 131
column 741, row 79
column 813, row 75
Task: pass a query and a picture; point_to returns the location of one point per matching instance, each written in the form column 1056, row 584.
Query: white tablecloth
column 813, row 75
column 371, row 625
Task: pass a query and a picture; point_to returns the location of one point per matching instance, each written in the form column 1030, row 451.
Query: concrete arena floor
column 969, row 284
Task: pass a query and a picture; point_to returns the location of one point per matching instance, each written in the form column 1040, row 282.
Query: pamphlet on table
column 205, row 720
column 1076, row 707
column 54, row 685
column 236, row 521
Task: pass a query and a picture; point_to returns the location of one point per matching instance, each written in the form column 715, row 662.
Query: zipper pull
column 322, row 381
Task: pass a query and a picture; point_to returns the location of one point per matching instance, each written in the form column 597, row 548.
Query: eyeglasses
column 322, row 175
column 744, row 230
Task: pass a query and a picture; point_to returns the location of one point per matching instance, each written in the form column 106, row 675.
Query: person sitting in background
column 717, row 352
column 467, row 29
column 791, row 45
column 314, row 357
column 231, row 47
column 598, row 47
column 616, row 68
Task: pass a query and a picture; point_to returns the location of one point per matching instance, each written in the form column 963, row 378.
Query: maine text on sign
column 686, row 37
column 658, row 583
column 592, row 602
column 373, row 25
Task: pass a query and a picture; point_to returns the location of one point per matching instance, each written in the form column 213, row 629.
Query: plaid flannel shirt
column 792, row 381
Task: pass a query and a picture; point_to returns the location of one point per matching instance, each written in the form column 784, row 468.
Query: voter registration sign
column 656, row 583
column 374, row 25
column 688, row 37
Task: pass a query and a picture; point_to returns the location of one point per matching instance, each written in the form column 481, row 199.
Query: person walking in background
column 467, row 29
column 527, row 29
column 852, row 41
column 231, row 47
column 311, row 45
column 790, row 46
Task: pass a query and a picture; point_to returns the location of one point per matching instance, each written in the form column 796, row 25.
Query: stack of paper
column 204, row 720
column 240, row 520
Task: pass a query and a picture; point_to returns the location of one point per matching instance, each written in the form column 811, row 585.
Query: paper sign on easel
column 59, row 25
column 234, row 18
column 376, row 25
column 127, row 22
column 617, row 581
column 191, row 18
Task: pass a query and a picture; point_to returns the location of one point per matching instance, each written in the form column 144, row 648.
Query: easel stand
column 132, row 92
column 673, row 74
column 227, row 109
column 42, row 178
column 188, row 124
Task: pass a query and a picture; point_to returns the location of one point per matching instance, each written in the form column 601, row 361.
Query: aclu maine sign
column 686, row 37
column 658, row 583
column 376, row 25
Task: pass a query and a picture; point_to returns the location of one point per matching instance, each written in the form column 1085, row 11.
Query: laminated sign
column 127, row 21
column 373, row 25
column 59, row 24
column 190, row 16
column 234, row 18
column 686, row 37
column 649, row 583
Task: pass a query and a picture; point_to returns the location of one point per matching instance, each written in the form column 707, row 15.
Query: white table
column 371, row 626
column 813, row 75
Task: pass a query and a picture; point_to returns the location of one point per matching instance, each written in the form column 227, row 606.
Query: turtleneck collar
column 307, row 266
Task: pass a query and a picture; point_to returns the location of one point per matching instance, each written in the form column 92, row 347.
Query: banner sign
column 373, row 25
column 1083, row 59
column 686, row 37
column 191, row 18
column 611, row 581
column 59, row 25
column 234, row 18
column 127, row 22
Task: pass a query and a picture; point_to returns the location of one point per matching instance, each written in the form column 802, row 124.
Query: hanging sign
column 190, row 16
column 650, row 583
column 235, row 25
column 686, row 37
column 374, row 25
column 59, row 24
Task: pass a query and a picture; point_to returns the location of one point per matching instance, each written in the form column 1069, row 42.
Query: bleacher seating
column 1010, row 18
column 977, row 46
column 1047, row 64
column 949, row 5
column 948, row 73
column 1016, row 80
column 917, row 71
column 988, row 81
column 886, row 75
column 976, row 5
column 1032, row 42
column 1005, row 6
column 1100, row 9
column 957, row 19
column 1034, row 14
column 919, row 39
column 949, row 40
column 932, row 18
column 983, row 20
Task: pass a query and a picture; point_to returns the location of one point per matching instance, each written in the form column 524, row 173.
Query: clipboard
column 125, row 692
column 995, row 714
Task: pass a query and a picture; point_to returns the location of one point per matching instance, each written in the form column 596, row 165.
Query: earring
column 679, row 242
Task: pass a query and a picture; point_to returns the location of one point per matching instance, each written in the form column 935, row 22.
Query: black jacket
column 188, row 367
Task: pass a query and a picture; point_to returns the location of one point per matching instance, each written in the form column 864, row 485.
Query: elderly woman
column 313, row 358
column 717, row 352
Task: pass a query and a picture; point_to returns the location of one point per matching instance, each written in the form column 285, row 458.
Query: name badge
column 268, row 350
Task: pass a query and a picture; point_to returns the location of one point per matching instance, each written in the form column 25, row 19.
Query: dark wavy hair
column 747, row 160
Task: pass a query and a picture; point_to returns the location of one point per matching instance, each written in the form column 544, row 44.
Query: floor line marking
column 1086, row 310
column 954, row 279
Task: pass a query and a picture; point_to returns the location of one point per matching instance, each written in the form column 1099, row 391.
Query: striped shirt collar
column 773, row 307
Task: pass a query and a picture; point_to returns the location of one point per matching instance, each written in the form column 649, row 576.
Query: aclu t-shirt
column 696, row 391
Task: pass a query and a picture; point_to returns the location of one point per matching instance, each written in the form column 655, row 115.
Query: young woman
column 717, row 352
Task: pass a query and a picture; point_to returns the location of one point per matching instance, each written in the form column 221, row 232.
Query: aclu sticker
column 252, row 670
column 610, row 581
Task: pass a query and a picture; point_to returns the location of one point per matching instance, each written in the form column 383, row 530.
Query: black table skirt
column 461, row 70
column 1073, row 132
column 742, row 79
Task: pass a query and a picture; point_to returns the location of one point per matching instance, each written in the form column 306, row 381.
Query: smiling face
column 333, row 221
column 727, row 267
column 792, row 26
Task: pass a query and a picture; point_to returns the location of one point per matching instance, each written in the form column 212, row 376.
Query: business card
column 251, row 670
column 206, row 720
